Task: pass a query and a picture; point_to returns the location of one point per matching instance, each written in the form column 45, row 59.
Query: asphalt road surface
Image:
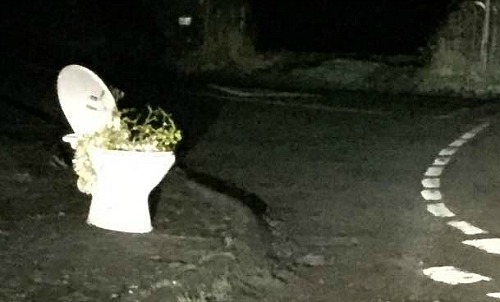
column 343, row 179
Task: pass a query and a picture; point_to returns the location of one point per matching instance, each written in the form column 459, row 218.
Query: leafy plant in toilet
column 128, row 130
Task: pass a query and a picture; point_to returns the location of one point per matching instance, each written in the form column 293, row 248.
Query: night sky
column 383, row 26
column 340, row 26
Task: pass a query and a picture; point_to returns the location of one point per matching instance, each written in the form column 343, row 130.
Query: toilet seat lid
column 85, row 100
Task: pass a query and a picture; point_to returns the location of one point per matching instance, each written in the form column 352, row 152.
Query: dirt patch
column 205, row 246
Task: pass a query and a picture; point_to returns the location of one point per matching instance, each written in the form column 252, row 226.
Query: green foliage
column 128, row 131
column 156, row 130
column 465, row 51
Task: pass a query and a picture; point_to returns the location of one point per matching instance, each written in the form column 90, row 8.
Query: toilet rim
column 72, row 139
column 137, row 152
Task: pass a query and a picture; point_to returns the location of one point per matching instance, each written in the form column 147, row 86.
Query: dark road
column 343, row 186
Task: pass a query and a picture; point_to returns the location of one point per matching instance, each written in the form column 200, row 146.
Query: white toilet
column 124, row 178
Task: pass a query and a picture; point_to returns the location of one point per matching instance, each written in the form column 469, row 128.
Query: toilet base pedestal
column 120, row 211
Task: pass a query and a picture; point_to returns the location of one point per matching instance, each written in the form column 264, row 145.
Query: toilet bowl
column 124, row 179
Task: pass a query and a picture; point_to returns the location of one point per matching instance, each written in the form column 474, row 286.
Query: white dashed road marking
column 490, row 245
column 441, row 161
column 494, row 295
column 468, row 135
column 466, row 228
column 458, row 143
column 439, row 210
column 431, row 183
column 447, row 151
column 434, row 171
column 453, row 276
column 431, row 193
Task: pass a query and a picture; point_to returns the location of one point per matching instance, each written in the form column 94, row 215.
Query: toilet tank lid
column 85, row 100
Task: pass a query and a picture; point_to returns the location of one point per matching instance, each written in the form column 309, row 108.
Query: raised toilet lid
column 85, row 100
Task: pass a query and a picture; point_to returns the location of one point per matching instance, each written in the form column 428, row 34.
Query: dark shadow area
column 29, row 91
column 154, row 200
column 251, row 200
column 386, row 27
column 160, row 87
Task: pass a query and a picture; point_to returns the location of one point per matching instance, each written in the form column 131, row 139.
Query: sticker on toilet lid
column 85, row 100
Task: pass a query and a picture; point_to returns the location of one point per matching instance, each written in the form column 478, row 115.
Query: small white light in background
column 185, row 20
